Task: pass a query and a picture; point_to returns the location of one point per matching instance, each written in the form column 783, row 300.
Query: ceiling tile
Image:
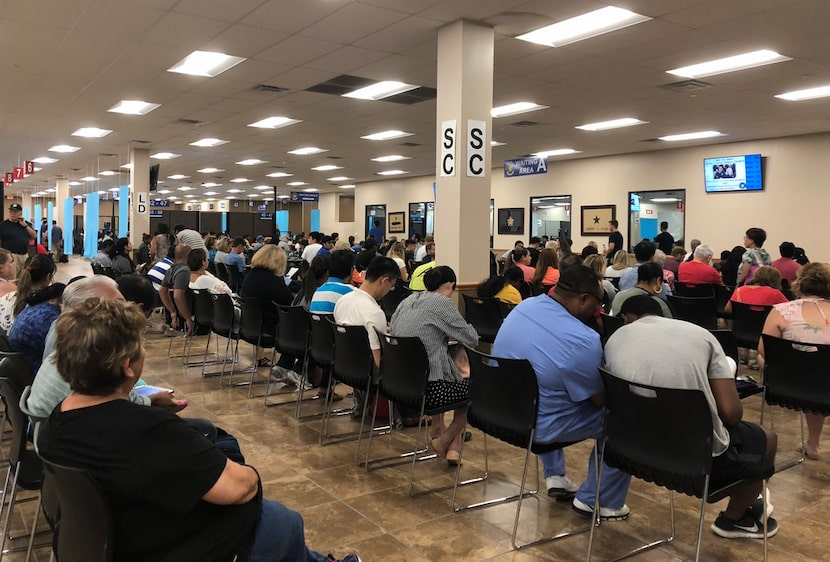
column 353, row 22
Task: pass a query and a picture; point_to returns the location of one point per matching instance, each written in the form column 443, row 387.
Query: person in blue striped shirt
column 339, row 283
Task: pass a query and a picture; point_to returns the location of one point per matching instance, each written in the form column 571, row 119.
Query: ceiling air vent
column 191, row 122
column 687, row 86
column 138, row 141
column 269, row 89
column 524, row 124
column 411, row 144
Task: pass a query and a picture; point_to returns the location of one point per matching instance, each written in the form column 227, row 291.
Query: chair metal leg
column 396, row 460
column 326, row 439
column 9, row 511
column 33, row 531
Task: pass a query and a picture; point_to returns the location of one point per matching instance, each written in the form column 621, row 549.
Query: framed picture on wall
column 396, row 223
column 595, row 219
column 511, row 221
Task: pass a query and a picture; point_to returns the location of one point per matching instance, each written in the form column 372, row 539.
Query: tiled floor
column 345, row 508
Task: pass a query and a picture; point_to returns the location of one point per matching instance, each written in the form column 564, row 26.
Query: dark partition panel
column 211, row 222
column 189, row 219
column 240, row 224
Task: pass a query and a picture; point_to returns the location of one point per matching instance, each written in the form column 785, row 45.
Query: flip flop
column 804, row 452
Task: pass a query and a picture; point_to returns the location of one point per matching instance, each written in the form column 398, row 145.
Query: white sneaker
column 560, row 487
column 297, row 379
column 605, row 513
column 280, row 374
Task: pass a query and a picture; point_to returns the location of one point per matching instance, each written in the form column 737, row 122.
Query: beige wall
column 793, row 205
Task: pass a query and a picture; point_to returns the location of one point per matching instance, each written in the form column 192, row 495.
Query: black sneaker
column 747, row 528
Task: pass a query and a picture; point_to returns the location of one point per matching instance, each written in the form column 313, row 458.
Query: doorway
column 647, row 209
column 375, row 213
column 550, row 215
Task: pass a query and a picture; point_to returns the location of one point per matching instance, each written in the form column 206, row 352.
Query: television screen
column 154, row 177
column 733, row 173
column 634, row 205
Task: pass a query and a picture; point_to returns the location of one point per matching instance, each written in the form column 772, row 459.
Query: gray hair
column 704, row 252
column 695, row 243
column 87, row 288
column 659, row 257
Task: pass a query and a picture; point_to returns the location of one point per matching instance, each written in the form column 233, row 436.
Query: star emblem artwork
column 510, row 222
column 596, row 219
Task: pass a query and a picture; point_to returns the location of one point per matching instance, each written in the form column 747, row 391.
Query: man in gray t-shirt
column 173, row 290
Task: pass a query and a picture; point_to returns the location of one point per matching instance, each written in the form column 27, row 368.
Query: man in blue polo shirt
column 339, row 283
column 566, row 355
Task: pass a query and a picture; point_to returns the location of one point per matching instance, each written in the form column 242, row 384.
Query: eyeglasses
column 598, row 299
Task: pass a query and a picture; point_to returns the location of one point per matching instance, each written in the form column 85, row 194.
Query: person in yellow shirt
column 506, row 288
column 416, row 280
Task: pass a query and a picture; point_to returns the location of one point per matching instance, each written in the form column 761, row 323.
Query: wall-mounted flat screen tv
column 733, row 173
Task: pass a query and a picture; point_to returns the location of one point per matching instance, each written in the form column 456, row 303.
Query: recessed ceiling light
column 327, row 168
column 89, row 178
column 307, row 150
column 127, row 166
column 53, row 190
column 515, row 108
column 582, row 27
column 664, row 199
column 729, row 64
column 208, row 142
column 211, row 199
column 390, row 158
column 497, row 143
column 310, row 189
column 274, row 122
column 211, row 193
column 177, row 177
column 236, row 190
column 186, row 188
column 91, row 132
column 283, row 196
column 205, row 63
column 296, row 183
column 36, row 169
column 392, row 173
column 112, row 189
column 387, row 135
column 210, row 170
column 75, row 183
column 164, row 155
column 263, row 187
column 164, row 191
column 251, row 162
column 239, row 180
column 279, row 175
column 346, row 186
column 134, row 107
column 800, row 95
column 107, row 173
column 612, row 124
column 64, row 148
column 691, row 136
column 340, row 178
column 100, row 192
column 45, row 160
column 171, row 196
column 556, row 152
column 190, row 196
column 380, row 90
column 211, row 184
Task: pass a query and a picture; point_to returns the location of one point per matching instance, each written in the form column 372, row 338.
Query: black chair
column 203, row 323
column 234, row 279
column 486, row 316
column 293, row 331
column 746, row 385
column 723, row 294
column 795, row 378
column 748, row 323
column 615, row 281
column 84, row 529
column 253, row 330
column 353, row 365
column 225, row 324
column 222, row 272
column 683, row 460
column 610, row 324
column 693, row 289
column 321, row 354
column 404, row 372
column 697, row 310
column 390, row 302
column 504, row 398
column 98, row 269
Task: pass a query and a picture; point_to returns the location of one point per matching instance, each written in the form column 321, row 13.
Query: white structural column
column 463, row 166
column 61, row 194
column 139, row 194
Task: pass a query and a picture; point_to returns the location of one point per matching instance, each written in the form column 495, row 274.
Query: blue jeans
column 280, row 537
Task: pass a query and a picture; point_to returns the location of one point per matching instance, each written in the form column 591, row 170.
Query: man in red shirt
column 786, row 265
column 699, row 271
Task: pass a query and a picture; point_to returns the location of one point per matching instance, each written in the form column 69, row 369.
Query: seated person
column 649, row 282
column 104, row 256
column 433, row 317
column 505, row 288
column 200, row 278
column 235, row 257
column 521, row 259
column 28, row 334
column 566, row 354
column 763, row 290
column 637, row 352
column 122, row 263
column 416, row 280
column 338, row 283
column 699, row 271
column 189, row 501
column 36, row 276
column 547, row 269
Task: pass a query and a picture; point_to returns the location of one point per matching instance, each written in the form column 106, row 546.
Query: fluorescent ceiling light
column 263, row 187
column 327, row 168
column 296, row 183
column 346, row 186
column 45, row 160
column 546, row 206
column 75, row 183
column 310, row 189
column 515, row 108
column 340, row 178
column 37, row 169
column 211, row 184
column 208, row 142
column 91, row 132
column 100, row 192
column 190, row 196
column 556, row 152
column 177, row 177
column 307, row 150
column 127, row 166
column 390, row 158
column 164, row 155
column 582, row 27
column 279, row 175
column 53, row 190
column 64, row 148
column 283, row 196
column 497, row 143
column 612, row 124
column 800, row 95
column 210, row 170
column 107, row 173
column 134, row 107
column 664, row 199
column 205, row 63
column 89, row 178
column 274, row 122
column 235, row 190
column 729, row 64
column 239, row 180
column 392, row 172
column 186, row 188
column 112, row 189
column 211, row 193
column 691, row 136
column 380, row 90
column 210, row 199
column 164, row 192
column 230, row 197
column 563, row 204
column 251, row 162
column 387, row 135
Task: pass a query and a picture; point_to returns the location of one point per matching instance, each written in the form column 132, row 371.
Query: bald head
column 88, row 287
column 181, row 253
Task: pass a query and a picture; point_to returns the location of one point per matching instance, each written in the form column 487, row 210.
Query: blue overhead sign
column 525, row 167
column 159, row 203
column 304, row 197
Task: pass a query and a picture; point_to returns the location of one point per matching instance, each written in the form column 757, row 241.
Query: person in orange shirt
column 547, row 269
column 521, row 259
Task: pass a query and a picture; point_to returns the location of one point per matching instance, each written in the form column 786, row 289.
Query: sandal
column 264, row 362
column 803, row 451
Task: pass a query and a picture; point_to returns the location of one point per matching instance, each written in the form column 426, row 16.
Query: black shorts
column 744, row 458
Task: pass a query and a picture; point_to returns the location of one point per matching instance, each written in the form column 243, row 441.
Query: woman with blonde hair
column 619, row 265
column 597, row 264
column 398, row 253
column 7, row 282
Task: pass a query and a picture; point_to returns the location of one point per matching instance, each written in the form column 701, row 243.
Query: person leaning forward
column 15, row 234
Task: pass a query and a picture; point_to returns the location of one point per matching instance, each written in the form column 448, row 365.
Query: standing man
column 376, row 232
column 566, row 355
column 15, row 235
column 664, row 240
column 57, row 241
column 615, row 241
column 190, row 237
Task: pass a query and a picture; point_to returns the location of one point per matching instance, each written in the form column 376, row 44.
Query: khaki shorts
column 19, row 263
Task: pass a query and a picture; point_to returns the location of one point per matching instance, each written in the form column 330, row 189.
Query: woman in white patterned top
column 433, row 317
